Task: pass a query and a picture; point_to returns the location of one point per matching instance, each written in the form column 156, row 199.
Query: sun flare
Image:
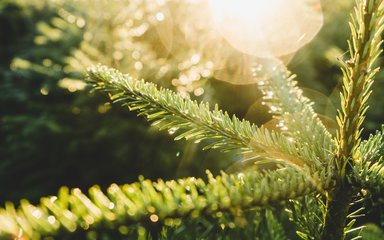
column 267, row 28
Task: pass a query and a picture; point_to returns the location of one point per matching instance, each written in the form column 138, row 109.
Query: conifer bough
column 327, row 172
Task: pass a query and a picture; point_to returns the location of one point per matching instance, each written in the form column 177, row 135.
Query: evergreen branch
column 197, row 122
column 369, row 170
column 256, row 223
column 372, row 149
column 371, row 177
column 308, row 209
column 296, row 116
column 366, row 26
column 149, row 203
column 274, row 227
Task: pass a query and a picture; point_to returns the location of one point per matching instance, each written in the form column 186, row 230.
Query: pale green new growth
column 367, row 24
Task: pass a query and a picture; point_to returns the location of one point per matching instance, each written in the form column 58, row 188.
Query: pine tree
column 312, row 180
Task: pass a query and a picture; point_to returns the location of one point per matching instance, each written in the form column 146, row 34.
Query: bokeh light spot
column 267, row 28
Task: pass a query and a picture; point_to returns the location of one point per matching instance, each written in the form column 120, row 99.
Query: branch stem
column 338, row 207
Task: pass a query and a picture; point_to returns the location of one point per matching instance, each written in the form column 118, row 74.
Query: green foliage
column 369, row 171
column 289, row 107
column 359, row 72
column 309, row 209
column 154, row 204
column 196, row 121
column 367, row 24
column 49, row 124
column 306, row 193
column 372, row 149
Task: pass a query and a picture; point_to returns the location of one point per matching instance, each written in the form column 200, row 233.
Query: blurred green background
column 54, row 132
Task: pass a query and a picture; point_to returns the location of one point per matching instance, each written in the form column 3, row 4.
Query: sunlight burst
column 267, row 28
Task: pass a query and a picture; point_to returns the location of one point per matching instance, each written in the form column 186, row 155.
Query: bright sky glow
column 267, row 28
